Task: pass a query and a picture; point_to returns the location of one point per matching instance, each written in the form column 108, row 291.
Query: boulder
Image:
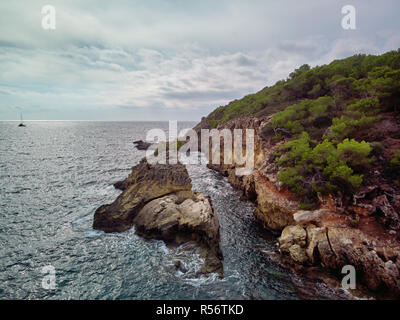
column 292, row 235
column 351, row 247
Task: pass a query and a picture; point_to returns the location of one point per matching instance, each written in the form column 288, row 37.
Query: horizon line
column 104, row 120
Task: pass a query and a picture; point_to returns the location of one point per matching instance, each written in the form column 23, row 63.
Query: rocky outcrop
column 275, row 207
column 145, row 183
column 141, row 145
column 181, row 217
column 158, row 200
column 376, row 261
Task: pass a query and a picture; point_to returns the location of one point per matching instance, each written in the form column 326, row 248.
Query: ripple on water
column 66, row 170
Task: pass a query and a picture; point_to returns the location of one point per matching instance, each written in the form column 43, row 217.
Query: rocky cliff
column 364, row 233
column 158, row 200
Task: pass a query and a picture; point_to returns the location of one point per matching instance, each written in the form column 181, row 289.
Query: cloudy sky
column 170, row 59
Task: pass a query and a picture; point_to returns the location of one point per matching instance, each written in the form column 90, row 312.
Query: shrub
column 323, row 154
column 291, row 178
column 295, row 152
column 316, row 91
column 354, row 153
column 295, row 118
column 369, row 106
column 165, row 146
column 346, row 126
column 346, row 174
column 326, row 168
column 213, row 123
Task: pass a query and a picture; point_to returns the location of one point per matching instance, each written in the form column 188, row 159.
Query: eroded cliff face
column 158, row 200
column 275, row 204
column 364, row 234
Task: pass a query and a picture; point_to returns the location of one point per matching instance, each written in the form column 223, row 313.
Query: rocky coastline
column 159, row 202
column 364, row 235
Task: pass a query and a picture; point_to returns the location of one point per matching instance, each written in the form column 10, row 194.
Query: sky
column 170, row 59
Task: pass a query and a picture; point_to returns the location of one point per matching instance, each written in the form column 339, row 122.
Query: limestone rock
column 315, row 236
column 347, row 246
column 177, row 213
column 306, row 217
column 159, row 201
column 376, row 264
column 181, row 217
column 292, row 235
column 145, row 183
column 274, row 208
column 298, row 254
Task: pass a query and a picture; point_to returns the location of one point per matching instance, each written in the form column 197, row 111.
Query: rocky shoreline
column 365, row 235
column 159, row 202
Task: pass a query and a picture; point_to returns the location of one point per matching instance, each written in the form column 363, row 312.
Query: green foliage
column 341, row 87
column 354, row 153
column 180, row 144
column 316, row 91
column 307, row 206
column 346, row 174
column 299, row 72
column 295, row 118
column 394, row 169
column 356, row 119
column 326, row 168
column 356, row 77
column 368, row 106
column 354, row 222
column 351, row 125
column 213, row 123
column 295, row 151
column 292, row 179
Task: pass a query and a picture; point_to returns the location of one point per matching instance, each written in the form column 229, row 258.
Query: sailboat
column 21, row 123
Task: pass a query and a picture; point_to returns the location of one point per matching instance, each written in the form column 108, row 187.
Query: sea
column 55, row 174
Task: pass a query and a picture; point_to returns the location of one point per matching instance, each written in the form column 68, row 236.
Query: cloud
column 170, row 58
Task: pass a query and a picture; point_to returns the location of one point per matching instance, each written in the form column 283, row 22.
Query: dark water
column 53, row 176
